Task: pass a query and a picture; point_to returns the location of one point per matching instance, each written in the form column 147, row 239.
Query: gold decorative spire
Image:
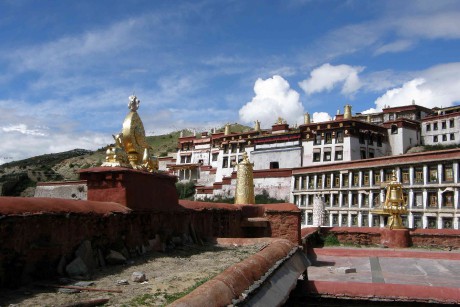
column 306, row 118
column 394, row 203
column 244, row 192
column 347, row 113
column 131, row 145
column 256, row 125
column 227, row 129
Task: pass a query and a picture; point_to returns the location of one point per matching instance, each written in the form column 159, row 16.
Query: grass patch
column 331, row 240
column 175, row 296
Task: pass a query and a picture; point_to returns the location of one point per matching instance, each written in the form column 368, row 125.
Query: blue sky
column 68, row 67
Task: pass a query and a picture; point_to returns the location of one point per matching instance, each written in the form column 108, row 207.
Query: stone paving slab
column 387, row 269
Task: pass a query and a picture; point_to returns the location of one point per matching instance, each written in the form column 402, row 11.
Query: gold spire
column 347, row 113
column 394, row 203
column 227, row 129
column 256, row 125
column 244, row 192
column 306, row 118
column 131, row 145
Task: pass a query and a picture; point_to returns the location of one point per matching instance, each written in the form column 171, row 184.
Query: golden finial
column 227, row 129
column 394, row 203
column 244, row 192
column 131, row 148
column 256, row 125
column 306, row 118
column 347, row 113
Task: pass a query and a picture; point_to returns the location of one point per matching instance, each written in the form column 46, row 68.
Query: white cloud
column 397, row 46
column 22, row 128
column 273, row 98
column 36, row 144
column 435, row 87
column 443, row 25
column 319, row 117
column 327, row 76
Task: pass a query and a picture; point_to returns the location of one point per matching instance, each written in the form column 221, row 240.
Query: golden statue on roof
column 131, row 148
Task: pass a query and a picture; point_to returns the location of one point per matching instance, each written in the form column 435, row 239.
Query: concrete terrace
column 405, row 275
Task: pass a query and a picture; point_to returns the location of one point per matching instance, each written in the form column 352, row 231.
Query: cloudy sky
column 68, row 67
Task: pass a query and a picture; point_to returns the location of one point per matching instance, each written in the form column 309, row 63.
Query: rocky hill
column 19, row 178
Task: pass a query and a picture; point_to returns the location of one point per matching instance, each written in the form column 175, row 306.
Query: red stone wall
column 432, row 238
column 138, row 190
column 284, row 221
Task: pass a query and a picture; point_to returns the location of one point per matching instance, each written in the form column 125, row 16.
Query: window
column 448, row 174
column 388, row 175
column 444, row 137
column 452, row 136
column 443, row 125
column 234, row 146
column 433, row 171
column 304, row 182
column 311, row 182
column 303, row 200
column 336, row 181
column 215, row 156
column 361, row 138
column 344, row 220
column 339, row 137
column 435, row 126
column 419, row 175
column 418, row 199
column 296, row 185
column 365, row 220
column 339, row 155
column 354, row 220
column 302, row 217
column 428, row 127
column 365, row 202
column 377, row 178
column 451, row 123
column 274, row 165
column 335, row 220
column 394, row 129
column 316, row 156
column 433, row 198
column 317, row 140
column 225, row 162
column 363, row 153
column 355, row 180
column 447, row 223
column 345, row 180
column 418, row 221
column 225, row 148
column 435, row 138
column 371, row 153
column 371, row 139
column 336, row 201
column 432, row 222
column 405, row 176
column 327, row 156
column 328, row 181
column 320, row 182
column 242, row 146
column 366, row 178
column 448, row 199
column 328, row 138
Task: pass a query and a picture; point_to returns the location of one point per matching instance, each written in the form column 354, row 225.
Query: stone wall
column 427, row 238
column 40, row 236
column 67, row 190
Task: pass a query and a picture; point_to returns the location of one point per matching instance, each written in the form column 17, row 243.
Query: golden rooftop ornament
column 244, row 192
column 131, row 148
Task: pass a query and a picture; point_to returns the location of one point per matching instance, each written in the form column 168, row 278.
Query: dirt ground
column 170, row 276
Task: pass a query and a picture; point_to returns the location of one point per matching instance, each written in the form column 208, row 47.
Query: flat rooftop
column 414, row 275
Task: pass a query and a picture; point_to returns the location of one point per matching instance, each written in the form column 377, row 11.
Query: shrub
column 185, row 190
column 331, row 240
